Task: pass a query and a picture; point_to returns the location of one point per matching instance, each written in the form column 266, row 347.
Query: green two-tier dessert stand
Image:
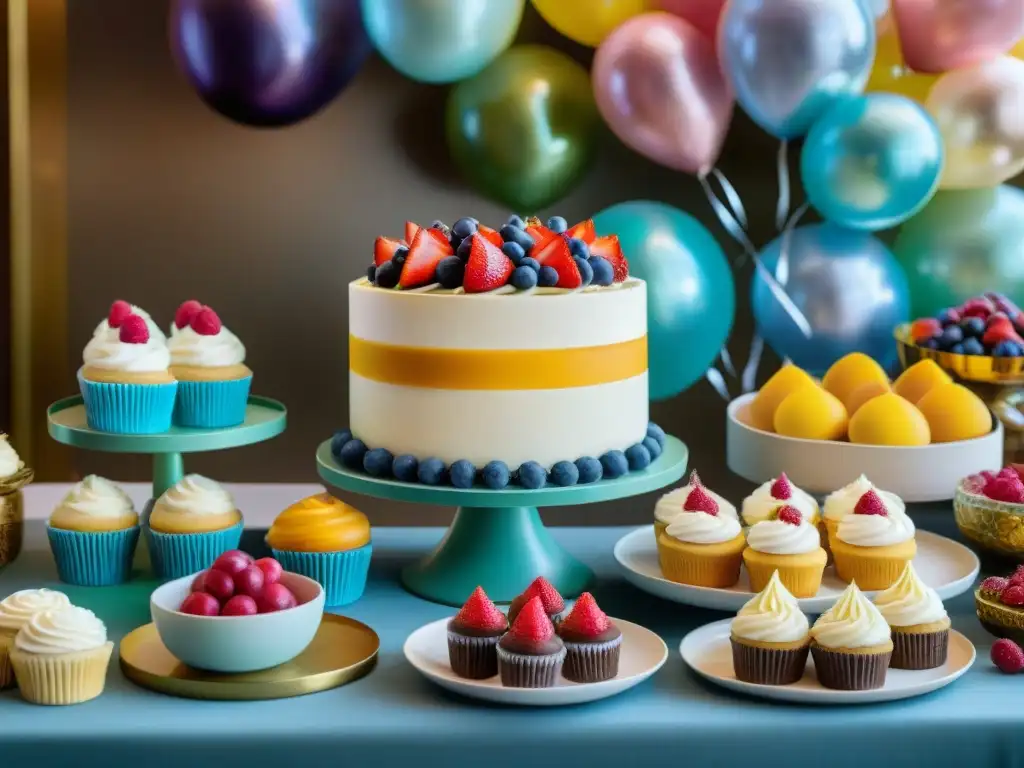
column 264, row 419
column 497, row 539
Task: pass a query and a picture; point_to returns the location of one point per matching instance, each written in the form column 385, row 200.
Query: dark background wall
column 169, row 201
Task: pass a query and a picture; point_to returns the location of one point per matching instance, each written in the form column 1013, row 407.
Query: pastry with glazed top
column 327, row 540
column 787, row 545
column 208, row 361
column 61, row 656
column 593, row 643
column 93, row 533
column 919, row 622
column 473, row 636
column 540, row 587
column 531, row 654
column 15, row 611
column 669, row 506
column 701, row 546
column 851, row 644
column 765, row 500
column 874, row 544
column 770, row 637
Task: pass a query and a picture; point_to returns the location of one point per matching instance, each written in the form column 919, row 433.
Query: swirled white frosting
column 771, row 616
column 774, row 537
column 839, row 504
column 909, row 601
column 875, row 530
column 760, row 505
column 113, row 354
column 61, row 630
column 16, row 609
column 10, row 461
column 191, row 348
column 671, row 504
column 97, row 497
column 104, row 329
column 702, row 528
column 853, row 622
column 197, row 495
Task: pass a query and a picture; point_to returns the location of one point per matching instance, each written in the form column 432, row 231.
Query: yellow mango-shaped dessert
column 919, row 379
column 851, row 372
column 811, row 413
column 863, row 393
column 783, row 382
column 955, row 413
column 889, row 420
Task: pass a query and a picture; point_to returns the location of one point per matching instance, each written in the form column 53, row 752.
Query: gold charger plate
column 343, row 650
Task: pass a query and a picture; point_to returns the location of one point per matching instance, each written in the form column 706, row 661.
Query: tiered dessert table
column 395, row 718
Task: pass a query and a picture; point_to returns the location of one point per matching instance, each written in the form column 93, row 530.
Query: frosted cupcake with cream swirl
column 851, row 643
column 94, row 504
column 919, row 622
column 669, row 506
column 840, row 503
column 766, row 498
column 15, row 611
column 873, row 545
column 109, row 326
column 769, row 637
column 787, row 544
column 701, row 545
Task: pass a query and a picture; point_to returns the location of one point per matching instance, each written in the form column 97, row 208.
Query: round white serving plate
column 915, row 474
column 643, row 653
column 947, row 566
column 708, row 652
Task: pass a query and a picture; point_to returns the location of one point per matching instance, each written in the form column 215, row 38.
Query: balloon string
column 733, row 197
column 727, row 361
column 782, row 267
column 715, row 379
column 749, row 378
column 782, row 209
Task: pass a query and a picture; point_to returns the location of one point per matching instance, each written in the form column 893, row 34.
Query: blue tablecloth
column 396, row 718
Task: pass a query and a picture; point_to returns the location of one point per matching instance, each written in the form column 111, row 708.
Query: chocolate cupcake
column 851, row 644
column 592, row 643
column 531, row 655
column 473, row 636
column 549, row 597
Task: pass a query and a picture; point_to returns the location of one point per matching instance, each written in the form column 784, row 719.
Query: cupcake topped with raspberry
column 549, row 598
column 204, row 348
column 762, row 503
column 133, row 356
column 672, row 503
column 119, row 310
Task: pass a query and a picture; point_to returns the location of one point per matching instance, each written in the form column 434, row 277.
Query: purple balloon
column 268, row 64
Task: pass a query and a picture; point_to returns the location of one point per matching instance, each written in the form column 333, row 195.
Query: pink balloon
column 659, row 87
column 940, row 35
column 703, row 14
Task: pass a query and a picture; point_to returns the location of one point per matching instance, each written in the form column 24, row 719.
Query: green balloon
column 963, row 243
column 524, row 130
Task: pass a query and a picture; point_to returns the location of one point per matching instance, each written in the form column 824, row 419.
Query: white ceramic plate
column 943, row 564
column 643, row 653
column 921, row 473
column 708, row 652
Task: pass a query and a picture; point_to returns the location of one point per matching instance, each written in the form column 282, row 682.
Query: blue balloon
column 871, row 162
column 691, row 298
column 441, row 41
column 847, row 284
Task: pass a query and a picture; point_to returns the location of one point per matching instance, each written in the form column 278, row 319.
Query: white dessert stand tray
column 947, row 566
column 643, row 653
column 708, row 652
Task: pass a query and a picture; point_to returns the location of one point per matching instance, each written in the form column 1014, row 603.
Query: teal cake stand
column 497, row 539
column 264, row 419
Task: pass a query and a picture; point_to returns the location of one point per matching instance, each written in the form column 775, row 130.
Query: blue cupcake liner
column 93, row 559
column 211, row 404
column 341, row 574
column 128, row 409
column 174, row 555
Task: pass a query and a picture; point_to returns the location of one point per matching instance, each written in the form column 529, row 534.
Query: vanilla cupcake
column 873, row 544
column 208, row 361
column 851, row 644
column 190, row 525
column 15, row 612
column 126, row 382
column 701, row 546
column 93, row 533
column 765, row 500
column 769, row 636
column 61, row 657
column 839, row 504
column 110, row 326
column 919, row 622
column 787, row 545
column 671, row 504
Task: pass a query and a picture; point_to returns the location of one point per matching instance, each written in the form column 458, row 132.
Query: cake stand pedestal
column 497, row 539
column 264, row 419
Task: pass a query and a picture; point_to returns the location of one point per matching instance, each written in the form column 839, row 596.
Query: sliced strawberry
column 491, row 235
column 410, row 231
column 608, row 248
column 428, row 247
column 540, row 234
column 584, row 231
column 384, row 248
column 487, row 268
column 555, row 254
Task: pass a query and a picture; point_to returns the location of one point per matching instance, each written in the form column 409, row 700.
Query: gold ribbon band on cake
column 505, row 369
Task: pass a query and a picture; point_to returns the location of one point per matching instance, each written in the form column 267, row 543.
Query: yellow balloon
column 590, row 21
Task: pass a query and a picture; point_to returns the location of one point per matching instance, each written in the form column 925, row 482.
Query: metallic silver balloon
column 790, row 60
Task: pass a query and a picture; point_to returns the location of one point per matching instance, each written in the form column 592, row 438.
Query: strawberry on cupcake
column 530, row 655
column 549, row 598
column 592, row 643
column 473, row 636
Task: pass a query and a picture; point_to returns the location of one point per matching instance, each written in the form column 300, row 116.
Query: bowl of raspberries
column 999, row 602
column 989, row 510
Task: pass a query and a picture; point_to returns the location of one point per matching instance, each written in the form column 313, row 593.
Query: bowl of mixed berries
column 989, row 510
column 241, row 615
column 999, row 602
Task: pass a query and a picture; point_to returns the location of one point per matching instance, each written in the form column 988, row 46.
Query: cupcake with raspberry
column 592, row 643
column 763, row 503
column 208, row 361
column 183, row 316
column 702, row 546
column 126, row 382
column 531, row 655
column 873, row 545
column 840, row 503
column 788, row 545
column 473, row 636
column 919, row 622
column 109, row 326
column 669, row 506
column 540, row 587
column 769, row 637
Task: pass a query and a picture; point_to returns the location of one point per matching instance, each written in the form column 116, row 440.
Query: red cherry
column 250, row 581
column 231, row 562
column 133, row 330
column 119, row 310
column 197, row 583
column 200, row 604
column 276, row 597
column 239, row 605
column 272, row 569
column 219, row 584
column 187, row 310
column 206, row 323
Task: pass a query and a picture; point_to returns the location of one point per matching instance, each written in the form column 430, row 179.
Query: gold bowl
column 982, row 369
column 995, row 526
column 998, row 619
column 12, row 515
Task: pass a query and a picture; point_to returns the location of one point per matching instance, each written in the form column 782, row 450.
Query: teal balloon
column 441, row 41
column 691, row 297
column 964, row 242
